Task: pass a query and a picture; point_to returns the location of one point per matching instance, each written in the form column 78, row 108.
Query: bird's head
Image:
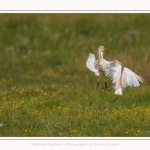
column 100, row 49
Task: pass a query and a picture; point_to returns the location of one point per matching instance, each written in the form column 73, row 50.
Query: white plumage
column 113, row 69
column 90, row 63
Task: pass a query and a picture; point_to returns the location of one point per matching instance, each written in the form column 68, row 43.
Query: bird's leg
column 114, row 100
column 105, row 83
column 97, row 85
column 106, row 86
column 102, row 87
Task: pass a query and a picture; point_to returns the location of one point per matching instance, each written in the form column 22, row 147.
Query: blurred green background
column 45, row 87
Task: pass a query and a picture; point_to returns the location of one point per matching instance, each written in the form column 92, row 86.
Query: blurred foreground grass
column 45, row 87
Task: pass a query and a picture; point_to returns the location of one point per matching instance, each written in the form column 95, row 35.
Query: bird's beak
column 104, row 48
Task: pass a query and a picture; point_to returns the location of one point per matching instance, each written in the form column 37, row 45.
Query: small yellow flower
column 74, row 130
column 139, row 131
column 132, row 129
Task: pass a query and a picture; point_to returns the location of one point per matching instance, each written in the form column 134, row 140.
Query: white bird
column 113, row 69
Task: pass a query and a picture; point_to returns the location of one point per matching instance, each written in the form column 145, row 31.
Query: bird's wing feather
column 112, row 70
column 90, row 63
column 129, row 78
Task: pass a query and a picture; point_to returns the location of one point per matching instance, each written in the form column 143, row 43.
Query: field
column 46, row 89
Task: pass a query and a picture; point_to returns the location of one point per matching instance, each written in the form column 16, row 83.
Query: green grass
column 45, row 87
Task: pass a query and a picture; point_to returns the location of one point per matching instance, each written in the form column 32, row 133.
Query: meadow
column 46, row 89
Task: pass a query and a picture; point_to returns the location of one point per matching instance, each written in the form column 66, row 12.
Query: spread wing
column 112, row 70
column 129, row 78
column 90, row 63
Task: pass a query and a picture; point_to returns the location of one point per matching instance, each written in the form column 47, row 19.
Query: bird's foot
column 98, row 85
column 114, row 100
column 106, row 87
column 108, row 90
column 102, row 87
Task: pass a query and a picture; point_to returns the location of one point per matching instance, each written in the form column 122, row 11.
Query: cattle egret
column 113, row 69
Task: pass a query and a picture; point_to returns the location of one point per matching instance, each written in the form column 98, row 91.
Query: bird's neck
column 100, row 57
